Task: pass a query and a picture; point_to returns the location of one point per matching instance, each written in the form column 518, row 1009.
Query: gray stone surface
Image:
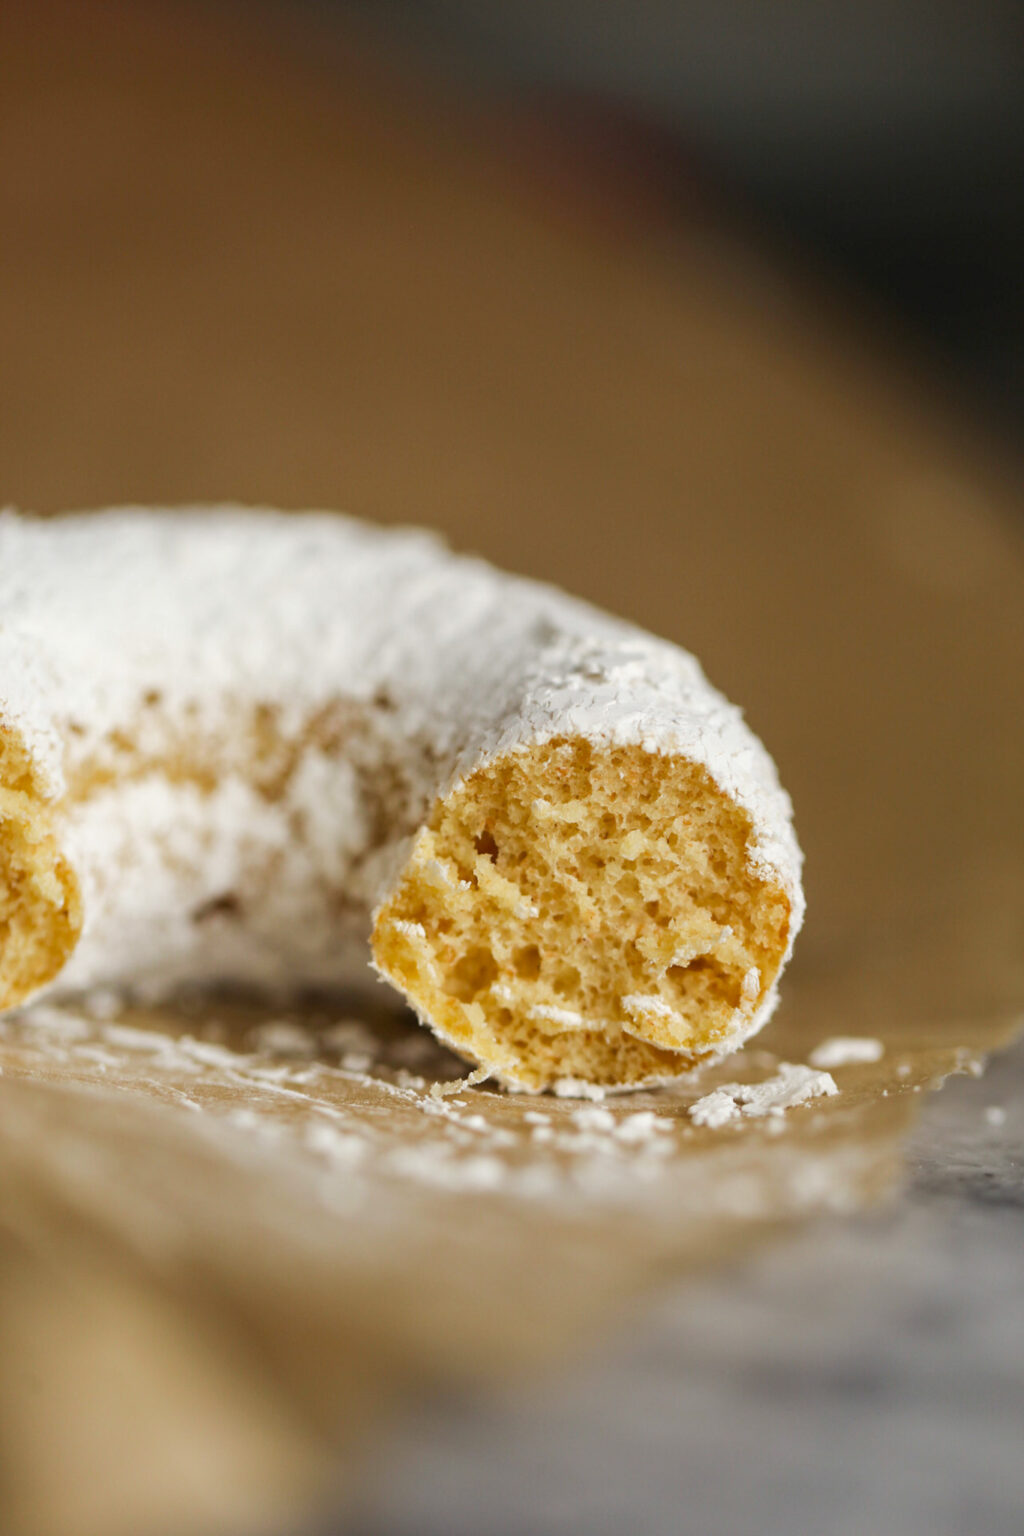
column 863, row 1379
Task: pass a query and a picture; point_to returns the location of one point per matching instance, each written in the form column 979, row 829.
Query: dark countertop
column 866, row 1376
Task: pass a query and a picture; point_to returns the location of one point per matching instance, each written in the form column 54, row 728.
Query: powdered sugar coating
column 175, row 625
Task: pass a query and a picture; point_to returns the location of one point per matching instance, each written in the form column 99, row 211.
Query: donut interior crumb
column 40, row 910
column 573, row 910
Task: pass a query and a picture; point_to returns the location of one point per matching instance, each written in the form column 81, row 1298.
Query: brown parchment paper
column 231, row 269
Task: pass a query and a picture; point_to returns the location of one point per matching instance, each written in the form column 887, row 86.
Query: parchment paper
column 229, row 270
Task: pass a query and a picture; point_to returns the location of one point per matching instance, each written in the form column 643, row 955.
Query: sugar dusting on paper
column 790, row 1086
column 846, row 1051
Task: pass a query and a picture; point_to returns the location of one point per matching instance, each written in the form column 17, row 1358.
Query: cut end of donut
column 40, row 908
column 579, row 911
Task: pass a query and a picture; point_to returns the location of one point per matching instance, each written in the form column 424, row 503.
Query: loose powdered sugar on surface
column 284, row 1088
column 847, row 1051
column 790, row 1086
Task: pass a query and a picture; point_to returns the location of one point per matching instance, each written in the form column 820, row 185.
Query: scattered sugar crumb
column 208, row 1054
column 846, row 1050
column 594, row 1119
column 445, row 1090
column 56, row 1020
column 995, row 1114
column 715, row 1109
column 640, row 1127
column 792, row 1085
column 356, row 1061
column 576, row 1088
column 132, row 1039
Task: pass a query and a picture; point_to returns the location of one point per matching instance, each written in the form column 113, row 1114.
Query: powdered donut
column 238, row 745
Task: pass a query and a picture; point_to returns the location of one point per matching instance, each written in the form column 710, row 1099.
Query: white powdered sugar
column 577, row 1088
column 790, row 1086
column 846, row 1051
column 562, row 1018
column 167, row 628
column 636, row 1002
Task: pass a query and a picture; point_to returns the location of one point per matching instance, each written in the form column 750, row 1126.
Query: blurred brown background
column 883, row 144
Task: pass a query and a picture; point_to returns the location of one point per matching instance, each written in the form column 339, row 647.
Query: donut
column 256, row 748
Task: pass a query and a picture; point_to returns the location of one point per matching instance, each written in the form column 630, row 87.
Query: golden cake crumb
column 573, row 910
column 40, row 910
